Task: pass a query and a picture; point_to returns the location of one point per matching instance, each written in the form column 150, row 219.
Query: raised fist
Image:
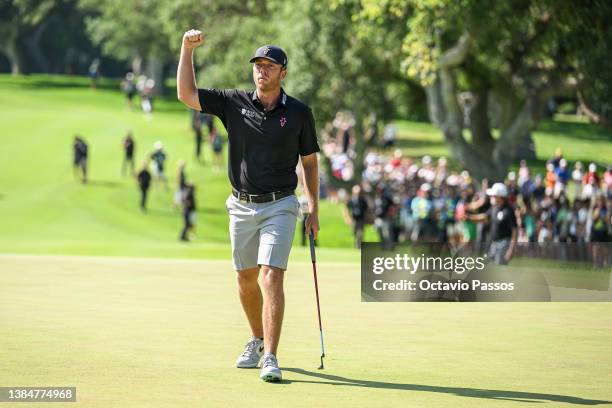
column 192, row 39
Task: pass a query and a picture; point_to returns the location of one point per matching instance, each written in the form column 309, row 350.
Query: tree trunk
column 137, row 65
column 480, row 125
column 514, row 137
column 593, row 116
column 33, row 46
column 479, row 166
column 11, row 49
column 155, row 70
column 526, row 150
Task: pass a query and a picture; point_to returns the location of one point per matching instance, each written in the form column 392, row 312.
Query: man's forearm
column 185, row 75
column 513, row 240
column 311, row 186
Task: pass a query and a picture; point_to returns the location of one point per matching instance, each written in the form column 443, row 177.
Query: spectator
column 562, row 176
column 355, row 214
column 600, row 220
column 524, row 173
column 158, row 158
column 551, row 179
column 189, row 212
column 383, row 220
column 80, row 154
column 146, row 97
column 577, row 176
column 389, row 135
column 128, row 85
column 94, row 72
column 181, row 183
column 590, row 183
column 422, row 207
column 128, row 149
column 556, row 159
column 600, row 233
column 144, row 182
column 607, row 182
column 196, row 125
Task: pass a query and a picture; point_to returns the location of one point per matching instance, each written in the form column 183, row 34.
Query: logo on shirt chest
column 283, row 121
column 247, row 113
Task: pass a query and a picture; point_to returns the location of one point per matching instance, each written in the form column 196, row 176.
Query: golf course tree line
column 505, row 60
column 49, row 36
column 482, row 72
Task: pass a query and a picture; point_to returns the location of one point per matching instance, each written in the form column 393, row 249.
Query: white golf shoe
column 269, row 369
column 252, row 353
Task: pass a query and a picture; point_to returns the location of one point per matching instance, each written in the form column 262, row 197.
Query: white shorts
column 262, row 234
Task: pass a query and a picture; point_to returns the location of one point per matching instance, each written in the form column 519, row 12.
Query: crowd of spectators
column 422, row 200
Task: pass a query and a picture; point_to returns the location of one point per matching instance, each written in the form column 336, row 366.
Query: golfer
column 504, row 229
column 267, row 131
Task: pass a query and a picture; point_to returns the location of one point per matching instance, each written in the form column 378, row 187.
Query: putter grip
column 313, row 257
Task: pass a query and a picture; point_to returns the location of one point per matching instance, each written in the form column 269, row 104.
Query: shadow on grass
column 518, row 396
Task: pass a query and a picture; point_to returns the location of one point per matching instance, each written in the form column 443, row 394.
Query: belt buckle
column 250, row 196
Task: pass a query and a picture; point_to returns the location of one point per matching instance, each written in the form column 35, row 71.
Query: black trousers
column 186, row 223
column 143, row 197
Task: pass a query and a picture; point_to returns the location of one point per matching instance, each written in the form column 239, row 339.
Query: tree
column 518, row 53
column 21, row 25
column 130, row 31
column 594, row 82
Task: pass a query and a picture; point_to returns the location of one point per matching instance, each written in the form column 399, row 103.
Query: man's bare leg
column 251, row 299
column 273, row 306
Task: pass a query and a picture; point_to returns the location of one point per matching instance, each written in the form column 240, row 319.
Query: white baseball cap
column 498, row 190
column 158, row 145
column 425, row 187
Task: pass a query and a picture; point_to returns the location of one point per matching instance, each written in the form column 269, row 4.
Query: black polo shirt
column 503, row 221
column 263, row 146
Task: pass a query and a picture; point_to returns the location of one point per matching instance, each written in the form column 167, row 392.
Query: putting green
column 149, row 332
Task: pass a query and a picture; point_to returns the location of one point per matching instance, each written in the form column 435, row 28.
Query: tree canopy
column 481, row 71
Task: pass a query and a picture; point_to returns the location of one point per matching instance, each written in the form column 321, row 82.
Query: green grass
column 133, row 332
column 44, row 210
column 133, row 329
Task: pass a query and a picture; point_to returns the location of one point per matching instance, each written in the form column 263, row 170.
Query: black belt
column 261, row 198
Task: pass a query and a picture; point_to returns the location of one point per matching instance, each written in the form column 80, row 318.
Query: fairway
column 44, row 210
column 131, row 332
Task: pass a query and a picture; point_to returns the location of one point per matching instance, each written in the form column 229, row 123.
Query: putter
column 314, row 271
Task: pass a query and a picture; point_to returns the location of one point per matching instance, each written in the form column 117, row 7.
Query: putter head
column 321, row 366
